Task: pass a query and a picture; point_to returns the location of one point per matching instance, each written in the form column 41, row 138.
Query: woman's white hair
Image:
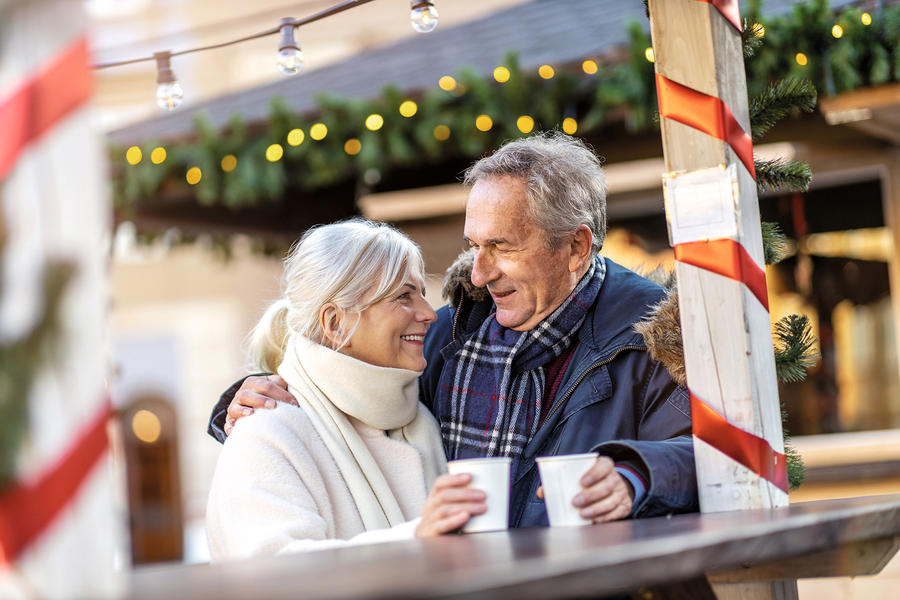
column 351, row 264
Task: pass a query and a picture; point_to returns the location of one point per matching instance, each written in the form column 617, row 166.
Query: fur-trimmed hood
column 660, row 328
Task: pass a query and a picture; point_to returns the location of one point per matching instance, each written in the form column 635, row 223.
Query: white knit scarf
column 329, row 386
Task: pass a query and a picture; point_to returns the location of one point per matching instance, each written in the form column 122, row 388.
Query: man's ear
column 580, row 248
column 331, row 320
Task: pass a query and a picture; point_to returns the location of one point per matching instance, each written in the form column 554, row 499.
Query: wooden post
column 727, row 335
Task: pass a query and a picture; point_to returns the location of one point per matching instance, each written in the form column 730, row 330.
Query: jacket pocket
column 591, row 387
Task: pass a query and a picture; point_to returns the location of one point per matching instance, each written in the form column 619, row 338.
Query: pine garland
column 863, row 56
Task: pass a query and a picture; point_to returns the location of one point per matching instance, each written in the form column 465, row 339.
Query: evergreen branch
column 796, row 470
column 750, row 43
column 793, row 349
column 777, row 174
column 775, row 244
column 777, row 100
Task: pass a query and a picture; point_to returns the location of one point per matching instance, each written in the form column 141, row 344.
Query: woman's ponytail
column 269, row 338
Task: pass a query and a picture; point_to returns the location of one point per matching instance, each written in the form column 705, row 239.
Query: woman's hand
column 259, row 391
column 450, row 505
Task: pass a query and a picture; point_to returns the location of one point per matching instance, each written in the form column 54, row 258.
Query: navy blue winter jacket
column 614, row 399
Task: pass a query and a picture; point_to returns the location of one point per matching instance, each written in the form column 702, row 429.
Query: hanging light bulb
column 290, row 56
column 424, row 16
column 168, row 93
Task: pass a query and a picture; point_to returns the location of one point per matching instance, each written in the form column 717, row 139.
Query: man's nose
column 484, row 270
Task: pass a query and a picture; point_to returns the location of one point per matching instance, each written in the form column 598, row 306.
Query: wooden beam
column 846, row 560
column 871, row 97
column 548, row 562
column 727, row 335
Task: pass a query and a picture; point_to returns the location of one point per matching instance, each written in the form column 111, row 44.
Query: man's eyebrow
column 488, row 242
column 411, row 286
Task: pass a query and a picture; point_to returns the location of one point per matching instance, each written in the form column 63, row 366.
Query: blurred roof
column 544, row 31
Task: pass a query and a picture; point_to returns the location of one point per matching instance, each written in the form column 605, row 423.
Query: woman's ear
column 331, row 320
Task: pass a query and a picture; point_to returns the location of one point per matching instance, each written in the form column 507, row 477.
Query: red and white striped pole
column 59, row 530
column 713, row 215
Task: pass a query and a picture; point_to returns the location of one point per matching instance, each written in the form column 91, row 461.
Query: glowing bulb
column 193, row 175
column 133, row 155
column 649, row 55
column 446, row 83
column 483, row 123
column 229, row 163
column 501, row 74
column 374, row 122
column 146, row 426
column 424, row 16
column 318, row 131
column 589, row 67
column 441, row 133
column 408, row 108
column 168, row 93
column 866, row 19
column 546, row 72
column 352, row 146
column 801, row 59
column 158, row 155
column 290, row 60
column 290, row 56
column 758, row 30
column 525, row 123
column 837, row 31
column 295, row 137
column 274, row 152
column 570, row 125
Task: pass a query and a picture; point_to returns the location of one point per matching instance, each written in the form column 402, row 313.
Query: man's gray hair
column 564, row 178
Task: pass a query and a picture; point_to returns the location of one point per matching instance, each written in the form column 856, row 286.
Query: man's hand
column 259, row 391
column 606, row 495
column 450, row 505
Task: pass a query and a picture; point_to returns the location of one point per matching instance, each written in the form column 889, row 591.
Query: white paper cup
column 561, row 478
column 491, row 475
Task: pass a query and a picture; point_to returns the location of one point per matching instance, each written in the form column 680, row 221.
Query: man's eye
column 403, row 296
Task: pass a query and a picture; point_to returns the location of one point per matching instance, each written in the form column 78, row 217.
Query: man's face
column 527, row 280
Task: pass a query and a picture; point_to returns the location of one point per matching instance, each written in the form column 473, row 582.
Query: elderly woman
column 354, row 461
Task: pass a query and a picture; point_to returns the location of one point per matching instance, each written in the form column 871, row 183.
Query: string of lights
column 423, row 17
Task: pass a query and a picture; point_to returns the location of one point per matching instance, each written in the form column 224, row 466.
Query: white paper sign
column 701, row 205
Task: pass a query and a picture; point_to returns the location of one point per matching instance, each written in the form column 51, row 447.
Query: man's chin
column 509, row 319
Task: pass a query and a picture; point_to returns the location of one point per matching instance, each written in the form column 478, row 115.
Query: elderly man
column 537, row 355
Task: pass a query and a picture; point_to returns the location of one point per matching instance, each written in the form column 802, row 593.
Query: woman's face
column 391, row 332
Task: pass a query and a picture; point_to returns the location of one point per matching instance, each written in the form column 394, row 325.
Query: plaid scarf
column 498, row 377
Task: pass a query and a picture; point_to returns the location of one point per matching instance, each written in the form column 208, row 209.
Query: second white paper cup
column 491, row 475
column 560, row 476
